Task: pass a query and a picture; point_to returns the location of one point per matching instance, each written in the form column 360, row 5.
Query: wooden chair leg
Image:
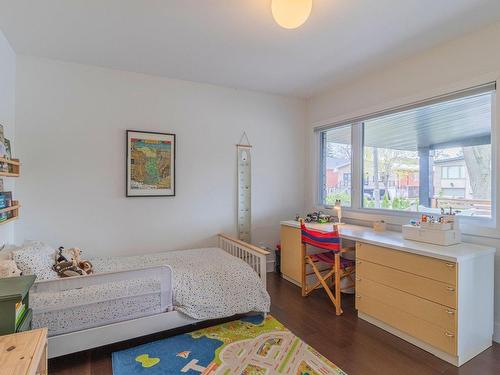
column 304, row 270
column 325, row 286
column 338, row 308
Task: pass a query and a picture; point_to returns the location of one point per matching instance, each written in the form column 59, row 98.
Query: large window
column 336, row 159
column 424, row 158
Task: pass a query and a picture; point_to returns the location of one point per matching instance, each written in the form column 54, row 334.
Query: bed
column 135, row 296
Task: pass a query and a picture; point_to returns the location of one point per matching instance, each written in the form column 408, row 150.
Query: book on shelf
column 20, row 310
column 5, row 202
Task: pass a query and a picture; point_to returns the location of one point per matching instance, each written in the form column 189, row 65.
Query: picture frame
column 150, row 164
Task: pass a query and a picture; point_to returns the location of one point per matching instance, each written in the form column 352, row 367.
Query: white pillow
column 35, row 258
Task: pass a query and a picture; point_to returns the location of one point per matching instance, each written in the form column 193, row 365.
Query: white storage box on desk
column 434, row 236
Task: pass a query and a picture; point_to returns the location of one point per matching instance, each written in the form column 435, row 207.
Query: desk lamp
column 338, row 208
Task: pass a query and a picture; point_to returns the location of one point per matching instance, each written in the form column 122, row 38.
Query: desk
column 24, row 353
column 439, row 298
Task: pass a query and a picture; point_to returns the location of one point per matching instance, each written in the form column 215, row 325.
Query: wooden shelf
column 14, row 170
column 15, row 212
column 11, row 208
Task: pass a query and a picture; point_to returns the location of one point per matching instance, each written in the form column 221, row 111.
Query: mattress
column 207, row 284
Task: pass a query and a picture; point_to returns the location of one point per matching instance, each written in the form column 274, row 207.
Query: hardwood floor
column 354, row 345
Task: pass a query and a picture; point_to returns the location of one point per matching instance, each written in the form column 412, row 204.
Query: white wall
column 71, row 122
column 7, row 115
column 462, row 63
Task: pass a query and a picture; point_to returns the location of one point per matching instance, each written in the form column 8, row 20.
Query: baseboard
column 496, row 332
column 270, row 266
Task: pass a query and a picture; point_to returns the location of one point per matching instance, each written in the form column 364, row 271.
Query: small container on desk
column 14, row 304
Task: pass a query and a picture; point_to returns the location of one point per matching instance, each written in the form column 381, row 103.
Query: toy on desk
column 316, row 217
column 441, row 230
column 379, row 226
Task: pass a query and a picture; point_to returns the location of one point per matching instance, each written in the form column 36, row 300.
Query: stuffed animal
column 85, row 265
column 8, row 268
column 71, row 265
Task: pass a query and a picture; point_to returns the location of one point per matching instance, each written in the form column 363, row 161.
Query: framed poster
column 150, row 164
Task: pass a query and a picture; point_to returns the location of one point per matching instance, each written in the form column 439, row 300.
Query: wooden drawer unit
column 434, row 313
column 291, row 247
column 431, row 268
column 434, row 335
column 432, row 290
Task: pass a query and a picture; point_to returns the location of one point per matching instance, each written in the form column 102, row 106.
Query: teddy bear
column 8, row 268
column 72, row 265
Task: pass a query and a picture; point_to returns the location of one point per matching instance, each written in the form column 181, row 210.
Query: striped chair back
column 323, row 240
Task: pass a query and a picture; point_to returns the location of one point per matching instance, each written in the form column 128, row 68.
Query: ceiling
column 237, row 43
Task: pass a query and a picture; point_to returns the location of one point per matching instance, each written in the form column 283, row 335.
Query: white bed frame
column 103, row 335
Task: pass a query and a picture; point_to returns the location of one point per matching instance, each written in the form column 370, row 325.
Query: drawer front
column 435, row 291
column 431, row 268
column 442, row 316
column 433, row 335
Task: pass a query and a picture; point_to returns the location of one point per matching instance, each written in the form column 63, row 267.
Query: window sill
column 469, row 226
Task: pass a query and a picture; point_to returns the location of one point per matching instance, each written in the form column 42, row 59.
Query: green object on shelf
column 14, row 290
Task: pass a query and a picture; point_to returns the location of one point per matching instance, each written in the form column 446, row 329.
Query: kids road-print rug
column 250, row 346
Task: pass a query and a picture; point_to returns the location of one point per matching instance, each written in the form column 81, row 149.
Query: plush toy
column 8, row 268
column 85, row 265
column 71, row 265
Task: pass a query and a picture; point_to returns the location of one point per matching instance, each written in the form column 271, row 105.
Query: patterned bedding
column 207, row 284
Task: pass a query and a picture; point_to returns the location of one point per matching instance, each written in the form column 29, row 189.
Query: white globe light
column 291, row 14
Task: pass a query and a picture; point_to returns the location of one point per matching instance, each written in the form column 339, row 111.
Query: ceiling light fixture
column 291, row 14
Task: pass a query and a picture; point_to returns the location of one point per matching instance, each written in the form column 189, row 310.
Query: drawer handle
column 450, row 288
column 358, row 279
column 450, row 312
column 358, row 296
column 448, row 334
column 450, row 265
column 358, row 262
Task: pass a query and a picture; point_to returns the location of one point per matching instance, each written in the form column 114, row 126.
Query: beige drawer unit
column 434, row 335
column 431, row 268
column 423, row 287
column 439, row 298
column 434, row 313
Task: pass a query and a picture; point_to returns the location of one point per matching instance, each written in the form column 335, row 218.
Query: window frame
column 322, row 168
column 356, row 211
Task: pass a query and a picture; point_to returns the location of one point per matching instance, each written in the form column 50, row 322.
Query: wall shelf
column 15, row 212
column 14, row 167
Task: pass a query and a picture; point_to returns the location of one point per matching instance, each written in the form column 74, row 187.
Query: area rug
column 249, row 346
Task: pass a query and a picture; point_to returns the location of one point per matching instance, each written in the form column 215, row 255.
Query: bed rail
column 163, row 273
column 252, row 255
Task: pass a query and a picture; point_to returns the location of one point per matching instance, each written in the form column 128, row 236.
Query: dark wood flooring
column 354, row 345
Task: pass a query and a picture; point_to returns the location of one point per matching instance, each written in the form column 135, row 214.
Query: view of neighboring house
column 338, row 175
column 450, row 184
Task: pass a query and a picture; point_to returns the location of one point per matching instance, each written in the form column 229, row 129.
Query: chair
column 339, row 267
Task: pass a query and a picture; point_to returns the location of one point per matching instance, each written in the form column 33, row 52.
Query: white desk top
column 395, row 240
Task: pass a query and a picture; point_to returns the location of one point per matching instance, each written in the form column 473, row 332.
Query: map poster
column 150, row 164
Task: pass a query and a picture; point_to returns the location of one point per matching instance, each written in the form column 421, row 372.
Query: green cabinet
column 15, row 313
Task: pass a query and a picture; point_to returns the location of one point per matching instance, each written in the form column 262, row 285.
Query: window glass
column 430, row 158
column 336, row 165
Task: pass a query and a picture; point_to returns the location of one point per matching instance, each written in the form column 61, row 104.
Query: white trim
column 496, row 332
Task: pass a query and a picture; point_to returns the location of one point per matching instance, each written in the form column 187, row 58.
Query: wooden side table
column 24, row 353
